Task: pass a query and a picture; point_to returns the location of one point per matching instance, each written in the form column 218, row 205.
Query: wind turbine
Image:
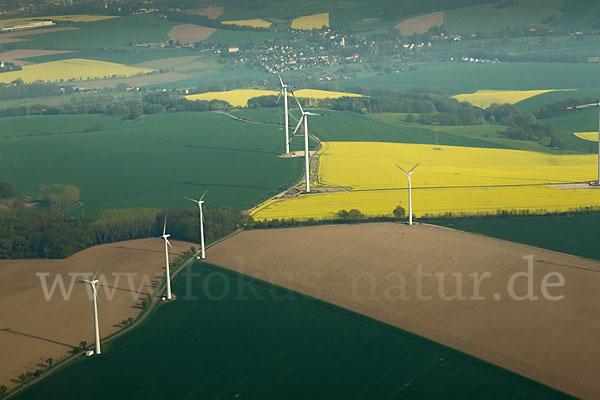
column 409, row 173
column 283, row 91
column 304, row 120
column 166, row 236
column 93, row 283
column 590, row 106
column 200, row 202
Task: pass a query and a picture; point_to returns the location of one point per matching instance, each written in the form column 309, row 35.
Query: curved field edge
column 293, row 308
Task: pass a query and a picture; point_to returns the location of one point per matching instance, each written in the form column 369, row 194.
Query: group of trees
column 25, row 91
column 522, row 126
column 557, row 107
column 31, row 233
column 59, row 197
column 7, row 190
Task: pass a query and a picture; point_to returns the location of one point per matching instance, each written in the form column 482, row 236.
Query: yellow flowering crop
column 254, row 23
column 591, row 136
column 240, row 97
column 71, row 69
column 485, row 98
column 451, row 179
column 308, row 22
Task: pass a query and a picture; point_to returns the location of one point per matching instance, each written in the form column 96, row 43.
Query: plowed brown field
column 32, row 328
column 371, row 269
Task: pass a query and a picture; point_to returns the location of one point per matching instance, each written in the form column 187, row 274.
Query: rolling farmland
column 252, row 332
column 380, row 280
column 147, row 162
column 589, row 136
column 74, row 69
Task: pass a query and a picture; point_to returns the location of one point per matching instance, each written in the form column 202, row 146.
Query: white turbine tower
column 590, row 106
column 283, row 92
column 165, row 236
column 304, row 120
column 409, row 173
column 93, row 283
column 200, row 202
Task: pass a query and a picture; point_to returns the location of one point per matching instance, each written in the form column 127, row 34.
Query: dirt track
column 31, row 327
column 359, row 267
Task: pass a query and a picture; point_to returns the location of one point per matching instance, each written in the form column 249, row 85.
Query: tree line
column 29, row 233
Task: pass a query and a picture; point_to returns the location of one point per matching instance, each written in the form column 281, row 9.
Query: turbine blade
column 412, row 169
column 297, row 102
column 401, row 168
column 165, row 225
column 204, row 194
column 315, row 114
column 278, row 98
column 80, row 280
column 190, row 199
column 582, row 106
column 296, row 130
column 169, row 243
column 96, row 273
column 280, row 80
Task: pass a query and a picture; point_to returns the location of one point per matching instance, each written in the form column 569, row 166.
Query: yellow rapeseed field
column 485, row 98
column 240, row 97
column 308, row 22
column 71, row 18
column 591, row 136
column 453, row 179
column 72, row 69
column 254, row 23
column 431, row 201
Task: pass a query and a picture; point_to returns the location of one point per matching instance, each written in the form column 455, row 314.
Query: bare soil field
column 377, row 270
column 142, row 80
column 32, row 327
column 210, row 12
column 420, row 24
column 190, row 33
column 16, row 56
column 16, row 36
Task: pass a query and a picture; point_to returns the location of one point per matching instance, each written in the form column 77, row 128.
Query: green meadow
column 151, row 162
column 228, row 336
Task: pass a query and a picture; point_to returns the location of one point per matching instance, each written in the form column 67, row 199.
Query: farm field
column 70, row 70
column 308, row 22
column 28, row 332
column 63, row 18
column 457, row 77
column 190, row 33
column 457, row 180
column 575, row 231
column 489, row 18
column 378, row 281
column 254, row 23
column 147, row 162
column 589, row 136
column 268, row 335
column 240, row 97
column 420, row 24
column 485, row 98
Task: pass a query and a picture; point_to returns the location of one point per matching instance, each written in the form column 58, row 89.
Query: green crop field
column 457, row 77
column 107, row 34
column 491, row 17
column 153, row 161
column 389, row 127
column 567, row 234
column 579, row 14
column 243, row 338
